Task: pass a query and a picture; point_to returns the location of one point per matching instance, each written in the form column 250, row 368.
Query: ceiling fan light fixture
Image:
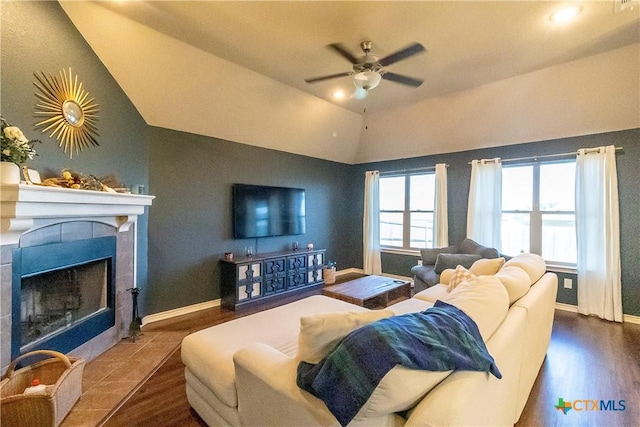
column 565, row 14
column 367, row 80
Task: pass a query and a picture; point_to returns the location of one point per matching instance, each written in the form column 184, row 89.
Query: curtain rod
column 546, row 156
column 426, row 168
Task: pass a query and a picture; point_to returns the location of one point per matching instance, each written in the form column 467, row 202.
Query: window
column 406, row 211
column 538, row 210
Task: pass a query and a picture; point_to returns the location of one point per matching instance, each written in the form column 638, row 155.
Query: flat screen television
column 263, row 211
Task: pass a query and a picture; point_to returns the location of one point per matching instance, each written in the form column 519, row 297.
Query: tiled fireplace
column 67, row 258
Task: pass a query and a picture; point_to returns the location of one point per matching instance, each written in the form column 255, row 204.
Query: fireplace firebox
column 63, row 294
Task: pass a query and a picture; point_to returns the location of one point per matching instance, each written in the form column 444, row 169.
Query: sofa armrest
column 425, row 273
column 269, row 396
column 267, row 391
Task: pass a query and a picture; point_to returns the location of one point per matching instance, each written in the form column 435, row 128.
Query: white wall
column 229, row 102
column 592, row 95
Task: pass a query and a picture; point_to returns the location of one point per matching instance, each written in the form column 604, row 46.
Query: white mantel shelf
column 25, row 208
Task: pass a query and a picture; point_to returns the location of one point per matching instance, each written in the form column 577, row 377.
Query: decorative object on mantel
column 31, row 176
column 70, row 116
column 15, row 149
column 78, row 181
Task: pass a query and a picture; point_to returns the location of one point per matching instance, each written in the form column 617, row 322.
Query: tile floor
column 117, row 373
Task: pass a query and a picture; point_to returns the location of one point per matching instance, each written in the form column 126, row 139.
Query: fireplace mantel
column 25, row 208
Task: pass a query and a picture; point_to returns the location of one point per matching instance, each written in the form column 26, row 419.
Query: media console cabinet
column 252, row 280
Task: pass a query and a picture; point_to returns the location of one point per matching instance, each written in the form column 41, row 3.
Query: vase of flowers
column 15, row 149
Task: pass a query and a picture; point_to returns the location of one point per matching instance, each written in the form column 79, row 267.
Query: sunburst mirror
column 70, row 115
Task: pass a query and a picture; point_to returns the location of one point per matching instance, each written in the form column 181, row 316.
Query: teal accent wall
column 191, row 219
column 39, row 37
column 459, row 176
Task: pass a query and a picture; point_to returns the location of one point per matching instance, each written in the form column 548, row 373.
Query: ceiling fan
column 368, row 70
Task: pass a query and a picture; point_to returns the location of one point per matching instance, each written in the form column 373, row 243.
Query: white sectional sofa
column 243, row 372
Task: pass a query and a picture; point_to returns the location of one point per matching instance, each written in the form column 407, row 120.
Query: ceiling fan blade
column 332, row 76
column 343, row 52
column 399, row 78
column 408, row 51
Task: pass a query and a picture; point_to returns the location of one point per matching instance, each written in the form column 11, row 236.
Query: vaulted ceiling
column 236, row 70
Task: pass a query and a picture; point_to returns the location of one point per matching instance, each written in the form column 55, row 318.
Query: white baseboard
column 163, row 315
column 574, row 309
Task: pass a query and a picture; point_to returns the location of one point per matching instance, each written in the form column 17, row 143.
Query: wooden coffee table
column 371, row 291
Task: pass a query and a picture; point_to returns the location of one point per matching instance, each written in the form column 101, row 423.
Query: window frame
column 406, row 214
column 536, row 214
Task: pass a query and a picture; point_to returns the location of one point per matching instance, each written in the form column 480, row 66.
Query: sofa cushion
column 399, row 390
column 460, row 274
column 484, row 299
column 445, row 261
column 487, row 266
column 532, row 264
column 320, row 332
column 434, row 293
column 515, row 280
column 429, row 255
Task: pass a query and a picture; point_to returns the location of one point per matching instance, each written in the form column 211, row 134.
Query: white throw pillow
column 321, row 332
column 484, row 299
column 487, row 266
column 515, row 280
column 445, row 276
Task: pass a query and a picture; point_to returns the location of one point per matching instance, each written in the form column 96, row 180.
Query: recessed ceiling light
column 565, row 14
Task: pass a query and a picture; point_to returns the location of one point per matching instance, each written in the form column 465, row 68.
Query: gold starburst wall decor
column 70, row 116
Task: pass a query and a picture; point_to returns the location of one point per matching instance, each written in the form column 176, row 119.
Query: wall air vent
column 622, row 5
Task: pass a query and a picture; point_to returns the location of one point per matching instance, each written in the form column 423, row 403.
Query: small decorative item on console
column 330, row 273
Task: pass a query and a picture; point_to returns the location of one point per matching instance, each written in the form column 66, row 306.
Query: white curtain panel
column 484, row 213
column 371, row 224
column 598, row 234
column 440, row 218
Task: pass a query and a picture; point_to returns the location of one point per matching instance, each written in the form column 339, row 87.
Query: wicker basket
column 62, row 373
column 329, row 275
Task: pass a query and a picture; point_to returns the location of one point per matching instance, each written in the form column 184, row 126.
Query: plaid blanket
column 441, row 338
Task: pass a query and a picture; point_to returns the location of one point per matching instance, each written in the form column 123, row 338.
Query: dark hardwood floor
column 588, row 360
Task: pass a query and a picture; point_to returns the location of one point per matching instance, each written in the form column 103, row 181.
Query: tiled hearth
column 39, row 216
column 117, row 373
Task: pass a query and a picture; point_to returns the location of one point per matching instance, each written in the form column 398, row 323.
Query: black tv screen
column 262, row 211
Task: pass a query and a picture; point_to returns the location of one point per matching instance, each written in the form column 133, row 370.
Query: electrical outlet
column 568, row 283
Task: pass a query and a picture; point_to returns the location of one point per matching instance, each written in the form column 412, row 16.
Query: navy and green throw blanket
column 441, row 338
